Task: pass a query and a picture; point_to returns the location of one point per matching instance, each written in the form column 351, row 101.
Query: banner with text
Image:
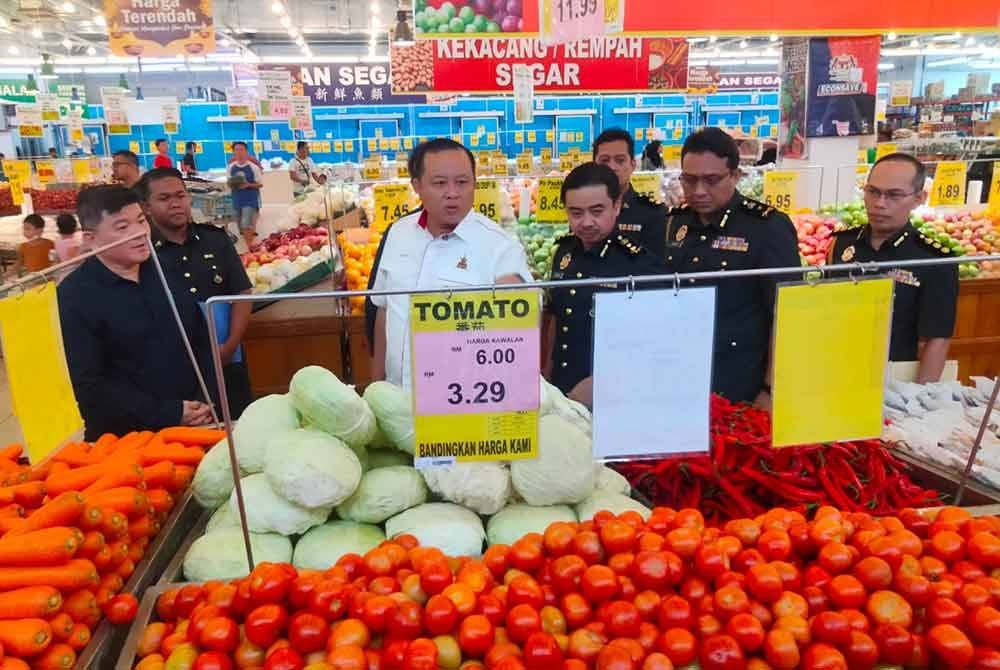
column 339, row 84
column 792, row 104
column 160, row 27
column 843, row 78
column 710, row 76
column 487, row 65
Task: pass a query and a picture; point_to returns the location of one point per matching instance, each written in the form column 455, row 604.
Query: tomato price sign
column 475, row 376
column 392, row 201
column 550, row 205
column 647, row 184
column 780, row 188
column 487, row 199
column 949, row 184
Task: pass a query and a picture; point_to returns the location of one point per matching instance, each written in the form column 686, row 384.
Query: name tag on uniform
column 629, row 227
column 731, row 244
column 905, row 277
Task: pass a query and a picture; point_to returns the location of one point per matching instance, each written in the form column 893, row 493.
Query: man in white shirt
column 302, row 170
column 446, row 244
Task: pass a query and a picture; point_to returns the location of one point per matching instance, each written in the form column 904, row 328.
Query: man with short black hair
column 127, row 361
column 205, row 264
column 303, row 171
column 446, row 244
column 246, row 179
column 594, row 247
column 641, row 219
column 925, row 298
column 720, row 229
column 162, row 159
column 125, row 168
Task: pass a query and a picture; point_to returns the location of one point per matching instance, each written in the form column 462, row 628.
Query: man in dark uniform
column 925, row 298
column 205, row 262
column 717, row 230
column 641, row 219
column 594, row 248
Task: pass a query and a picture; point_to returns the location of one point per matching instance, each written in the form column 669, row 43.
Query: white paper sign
column 524, row 94
column 113, row 99
column 301, row 114
column 899, row 92
column 171, row 117
column 49, row 103
column 652, row 372
column 274, row 84
column 76, row 126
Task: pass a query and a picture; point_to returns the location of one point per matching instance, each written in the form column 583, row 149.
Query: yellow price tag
column 474, row 140
column 994, row 195
column 372, row 145
column 457, row 138
column 372, row 168
column 500, row 166
column 647, row 184
column 392, row 201
column 383, row 144
column 258, row 147
column 133, row 146
column 285, row 146
column 408, row 143
column 781, row 189
column 491, row 138
column 338, row 146
column 550, row 135
column 546, row 155
column 579, row 136
column 179, row 147
column 885, row 149
column 519, row 137
column 46, row 171
column 199, row 148
column 19, row 177
column 640, row 133
column 81, row 170
column 394, row 144
column 228, row 147
column 525, row 162
column 550, row 205
column 565, row 162
column 671, row 152
column 349, row 146
column 119, row 129
column 949, row 184
column 487, row 199
column 402, row 170
column 678, row 133
column 152, row 147
column 482, row 162
column 532, row 136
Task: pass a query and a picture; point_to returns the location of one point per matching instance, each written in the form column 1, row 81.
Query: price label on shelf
column 949, row 184
column 994, row 195
column 671, row 152
column 546, row 155
column 392, row 201
column 483, row 166
column 647, row 184
column 487, row 199
column 565, row 162
column 475, row 369
column 372, row 168
column 46, row 171
column 884, row 149
column 500, row 167
column 525, row 161
column 780, row 188
column 550, row 205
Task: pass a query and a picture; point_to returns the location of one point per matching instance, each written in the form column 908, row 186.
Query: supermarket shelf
column 565, row 112
column 243, row 119
column 360, row 117
column 460, row 115
column 736, row 108
column 172, row 572
column 653, row 110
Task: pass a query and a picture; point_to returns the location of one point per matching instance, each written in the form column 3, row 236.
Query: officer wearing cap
column 594, row 248
column 641, row 219
column 721, row 230
column 924, row 298
column 205, row 262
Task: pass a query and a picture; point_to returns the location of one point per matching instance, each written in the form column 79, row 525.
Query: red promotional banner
column 486, row 65
column 711, row 77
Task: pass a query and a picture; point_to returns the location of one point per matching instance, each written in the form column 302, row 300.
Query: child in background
column 68, row 244
column 245, row 179
column 33, row 255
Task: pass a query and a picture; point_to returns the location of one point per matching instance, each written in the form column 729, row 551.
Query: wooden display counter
column 976, row 343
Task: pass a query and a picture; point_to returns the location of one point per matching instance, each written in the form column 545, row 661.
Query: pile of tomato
column 843, row 591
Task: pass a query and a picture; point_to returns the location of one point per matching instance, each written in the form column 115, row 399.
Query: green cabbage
column 515, row 521
column 222, row 517
column 606, row 479
column 222, row 554
column 213, row 480
column 482, row 487
column 268, row 512
column 453, row 529
column 394, row 413
column 322, row 546
column 262, row 419
column 615, row 503
column 381, row 458
column 563, row 473
column 328, row 404
column 311, row 468
column 384, row 492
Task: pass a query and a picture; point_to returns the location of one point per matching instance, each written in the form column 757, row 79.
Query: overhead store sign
column 707, row 76
column 342, row 85
column 843, row 78
column 160, row 27
column 597, row 64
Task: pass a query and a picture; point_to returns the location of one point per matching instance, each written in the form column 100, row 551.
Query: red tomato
column 220, row 633
column 822, row 656
column 566, row 572
column 301, row 590
column 330, row 599
column 861, row 650
column 269, row 582
column 576, row 609
column 308, row 632
column 764, row 583
column 945, row 610
column 721, row 652
column 440, row 615
column 541, row 652
column 212, row 660
column 599, row 583
column 950, row 645
column 490, row 607
column 895, row 644
column 614, row 658
column 524, row 590
column 284, row 659
column 730, row 600
column 421, row 654
column 475, row 635
column 831, row 627
column 585, row 644
column 265, row 624
column 781, row 650
column 378, row 610
column 622, row 619
column 675, row 612
column 435, row 576
column 121, row 609
column 846, row 591
column 527, row 553
column 651, row 569
column 984, row 624
column 406, row 621
column 187, row 598
column 587, row 545
column 679, row 645
column 522, row 621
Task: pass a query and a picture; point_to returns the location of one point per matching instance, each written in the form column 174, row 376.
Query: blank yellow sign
column 830, row 355
column 36, row 370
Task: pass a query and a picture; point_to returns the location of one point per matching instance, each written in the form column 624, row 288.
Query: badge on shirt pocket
column 731, row 244
column 905, row 277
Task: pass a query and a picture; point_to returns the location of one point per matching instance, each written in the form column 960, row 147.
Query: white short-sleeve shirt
column 477, row 252
column 302, row 169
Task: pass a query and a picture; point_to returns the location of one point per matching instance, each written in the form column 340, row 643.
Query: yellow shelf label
column 525, row 161
column 647, row 184
column 885, row 149
column 550, row 205
column 949, row 184
column 487, row 199
column 781, row 189
column 392, row 201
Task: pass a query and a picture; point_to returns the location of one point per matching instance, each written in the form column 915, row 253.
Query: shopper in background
column 925, row 298
column 446, row 244
column 68, row 244
column 245, row 178
column 127, row 361
column 720, row 229
column 652, row 159
column 34, row 254
column 162, row 158
column 206, row 265
column 595, row 247
column 641, row 220
column 302, row 170
column 53, row 153
column 188, row 166
column 125, row 168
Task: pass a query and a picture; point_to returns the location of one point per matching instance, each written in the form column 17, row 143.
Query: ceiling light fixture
column 36, row 32
column 91, row 51
column 293, row 32
column 68, row 7
column 285, row 21
column 277, row 7
column 970, row 41
column 891, row 36
column 13, row 50
column 744, row 44
column 3, row 22
column 67, row 44
column 773, row 37
column 886, row 66
column 914, row 44
column 99, row 20
column 712, row 38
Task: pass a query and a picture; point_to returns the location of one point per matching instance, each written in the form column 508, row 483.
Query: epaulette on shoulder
column 680, row 209
column 564, row 238
column 628, row 245
column 756, row 208
column 647, row 200
column 932, row 245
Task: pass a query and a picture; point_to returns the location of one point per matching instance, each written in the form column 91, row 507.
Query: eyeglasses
column 710, row 180
column 894, row 195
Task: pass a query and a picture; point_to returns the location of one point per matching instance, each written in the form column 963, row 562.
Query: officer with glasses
column 719, row 229
column 925, row 298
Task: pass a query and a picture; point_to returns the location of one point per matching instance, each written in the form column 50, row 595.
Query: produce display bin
column 933, row 476
column 307, row 279
column 144, row 616
column 103, row 650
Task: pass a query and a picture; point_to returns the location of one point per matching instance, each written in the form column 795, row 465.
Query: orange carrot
column 133, row 441
column 103, row 446
column 183, row 474
column 128, row 500
column 91, row 519
column 8, row 466
column 63, row 510
column 9, row 523
column 29, row 602
column 112, row 583
column 76, row 455
column 79, row 637
column 29, row 494
column 177, row 453
column 128, row 474
column 25, row 637
column 59, row 656
column 201, row 437
column 102, row 558
column 40, row 472
column 137, row 549
column 92, row 543
column 145, row 526
column 11, row 663
column 62, row 625
column 13, row 509
column 11, row 452
column 83, row 607
column 48, row 546
column 159, row 474
column 119, row 552
column 76, row 479
column 75, row 574
column 160, row 500
column 126, row 569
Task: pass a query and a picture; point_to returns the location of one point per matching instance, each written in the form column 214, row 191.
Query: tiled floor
column 10, row 430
